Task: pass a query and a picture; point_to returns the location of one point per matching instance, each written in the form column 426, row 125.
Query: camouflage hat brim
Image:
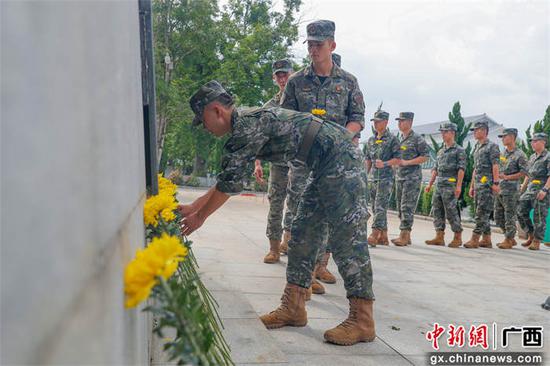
column 377, row 119
column 317, row 38
column 282, row 70
column 506, row 134
column 446, row 129
column 402, row 119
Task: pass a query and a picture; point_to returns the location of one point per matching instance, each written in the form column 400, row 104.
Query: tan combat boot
column 358, row 327
column 316, row 286
column 506, row 244
column 383, row 239
column 292, row 310
column 438, row 240
column 457, row 240
column 404, row 238
column 473, row 242
column 486, row 242
column 309, row 293
column 322, row 273
column 547, row 244
column 514, row 242
column 284, row 245
column 273, row 256
column 530, row 238
column 535, row 245
column 374, row 237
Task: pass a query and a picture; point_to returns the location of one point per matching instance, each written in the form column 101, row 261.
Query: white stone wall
column 72, row 181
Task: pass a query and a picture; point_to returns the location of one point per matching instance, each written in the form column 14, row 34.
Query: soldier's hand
column 185, row 210
column 541, row 195
column 379, row 164
column 457, row 191
column 428, row 188
column 471, row 192
column 495, row 188
column 259, row 174
column 502, row 176
column 191, row 223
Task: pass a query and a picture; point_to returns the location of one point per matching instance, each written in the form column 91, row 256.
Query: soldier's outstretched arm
column 186, row 210
column 215, row 199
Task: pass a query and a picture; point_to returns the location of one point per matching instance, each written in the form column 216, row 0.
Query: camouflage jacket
column 339, row 95
column 275, row 101
column 384, row 148
column 512, row 162
column 538, row 172
column 275, row 135
column 448, row 162
column 485, row 155
column 412, row 147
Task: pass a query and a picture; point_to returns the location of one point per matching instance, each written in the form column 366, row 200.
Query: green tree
column 235, row 45
column 542, row 125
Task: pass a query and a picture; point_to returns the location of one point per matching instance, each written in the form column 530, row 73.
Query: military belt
column 310, row 135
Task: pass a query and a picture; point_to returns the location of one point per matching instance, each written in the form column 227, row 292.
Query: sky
column 423, row 56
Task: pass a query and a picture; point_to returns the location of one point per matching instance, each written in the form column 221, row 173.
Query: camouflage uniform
column 334, row 193
column 409, row 178
column 450, row 160
column 485, row 155
column 506, row 202
column 385, row 147
column 278, row 175
column 341, row 100
column 538, row 172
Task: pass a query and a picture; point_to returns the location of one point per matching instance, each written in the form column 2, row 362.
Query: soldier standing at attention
column 448, row 175
column 278, row 176
column 535, row 193
column 485, row 184
column 414, row 152
column 513, row 167
column 335, row 194
column 324, row 89
column 383, row 153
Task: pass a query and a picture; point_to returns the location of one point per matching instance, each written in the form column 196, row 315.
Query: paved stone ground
column 414, row 286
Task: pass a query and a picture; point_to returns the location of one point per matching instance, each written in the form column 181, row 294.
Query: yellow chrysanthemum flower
column 159, row 259
column 318, row 112
column 162, row 204
column 166, row 186
column 379, row 141
column 483, row 179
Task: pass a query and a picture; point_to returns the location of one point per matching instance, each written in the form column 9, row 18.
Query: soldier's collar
column 336, row 71
column 542, row 153
column 450, row 147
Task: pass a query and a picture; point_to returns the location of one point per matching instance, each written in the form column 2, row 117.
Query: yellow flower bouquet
column 164, row 274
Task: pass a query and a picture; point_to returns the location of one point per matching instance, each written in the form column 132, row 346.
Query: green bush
column 193, row 182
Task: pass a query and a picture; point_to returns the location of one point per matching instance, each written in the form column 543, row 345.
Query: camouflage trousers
column 506, row 206
column 278, row 181
column 380, row 192
column 484, row 201
column 407, row 192
column 445, row 205
column 298, row 178
column 528, row 202
column 334, row 195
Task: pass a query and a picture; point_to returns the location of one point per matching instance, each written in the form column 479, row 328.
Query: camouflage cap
column 337, row 59
column 480, row 124
column 380, row 116
column 405, row 115
column 509, row 131
column 539, row 136
column 283, row 65
column 447, row 126
column 202, row 97
column 320, row 30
